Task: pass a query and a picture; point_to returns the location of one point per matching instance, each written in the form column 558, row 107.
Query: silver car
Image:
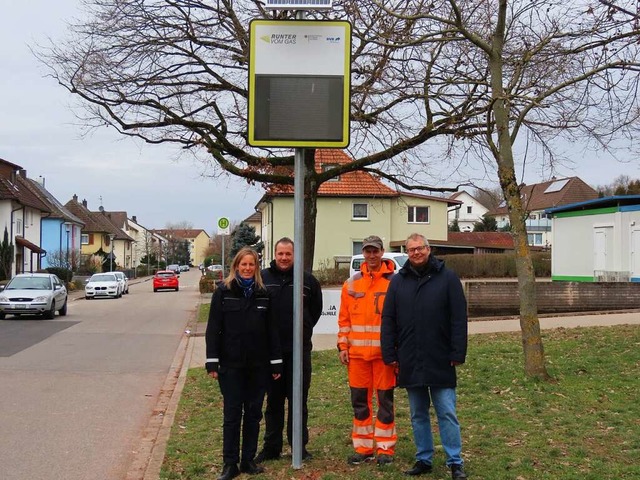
column 34, row 294
column 123, row 281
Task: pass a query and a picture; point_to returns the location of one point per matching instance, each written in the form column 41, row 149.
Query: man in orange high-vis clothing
column 359, row 324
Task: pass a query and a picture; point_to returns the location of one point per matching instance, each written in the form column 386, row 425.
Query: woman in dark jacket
column 243, row 347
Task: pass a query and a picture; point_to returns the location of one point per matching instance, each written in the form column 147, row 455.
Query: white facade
column 597, row 245
column 468, row 213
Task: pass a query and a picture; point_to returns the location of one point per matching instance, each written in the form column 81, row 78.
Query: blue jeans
column 444, row 403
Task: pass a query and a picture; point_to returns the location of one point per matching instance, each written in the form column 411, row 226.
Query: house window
column 357, row 248
column 534, row 238
column 84, row 239
column 533, row 216
column 469, row 209
column 360, row 211
column 418, row 215
column 19, row 226
column 328, row 166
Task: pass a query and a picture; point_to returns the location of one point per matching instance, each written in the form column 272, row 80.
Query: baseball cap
column 372, row 241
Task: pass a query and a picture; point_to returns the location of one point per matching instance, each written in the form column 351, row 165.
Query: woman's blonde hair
column 244, row 251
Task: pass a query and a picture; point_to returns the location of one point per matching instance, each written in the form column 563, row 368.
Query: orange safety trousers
column 365, row 376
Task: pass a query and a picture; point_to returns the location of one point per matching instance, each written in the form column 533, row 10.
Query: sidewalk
column 328, row 341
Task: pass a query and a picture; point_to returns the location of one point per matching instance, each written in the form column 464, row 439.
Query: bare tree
column 472, row 78
column 541, row 69
column 175, row 72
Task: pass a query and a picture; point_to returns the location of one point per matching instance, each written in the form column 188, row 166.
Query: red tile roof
column 350, row 184
column 184, row 233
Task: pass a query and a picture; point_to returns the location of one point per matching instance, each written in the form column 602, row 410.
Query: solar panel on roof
column 556, row 186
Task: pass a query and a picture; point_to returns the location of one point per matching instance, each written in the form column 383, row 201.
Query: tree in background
column 453, row 226
column 621, row 185
column 489, row 80
column 245, row 236
column 6, row 256
column 487, row 224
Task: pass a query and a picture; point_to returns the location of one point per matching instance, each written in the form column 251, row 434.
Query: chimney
column 75, row 197
column 84, row 202
column 135, row 220
column 40, row 180
column 23, row 173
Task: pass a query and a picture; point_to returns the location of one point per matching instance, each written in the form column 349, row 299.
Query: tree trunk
column 311, row 187
column 534, row 364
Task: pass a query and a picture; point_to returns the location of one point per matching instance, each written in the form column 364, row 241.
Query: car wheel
column 87, row 297
column 63, row 310
column 2, row 315
column 51, row 312
column 177, row 288
column 155, row 290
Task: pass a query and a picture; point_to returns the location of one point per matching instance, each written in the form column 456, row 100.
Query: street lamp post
column 68, row 231
column 111, row 237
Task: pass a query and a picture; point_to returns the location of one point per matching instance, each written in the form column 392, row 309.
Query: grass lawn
column 584, row 425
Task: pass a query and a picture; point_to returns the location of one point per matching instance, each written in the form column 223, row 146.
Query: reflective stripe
column 363, row 430
column 366, row 328
column 342, row 339
column 386, row 445
column 275, row 362
column 363, row 443
column 345, row 330
column 209, row 360
column 390, row 432
column 365, row 343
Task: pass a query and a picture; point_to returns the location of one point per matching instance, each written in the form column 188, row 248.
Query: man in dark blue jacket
column 278, row 280
column 424, row 334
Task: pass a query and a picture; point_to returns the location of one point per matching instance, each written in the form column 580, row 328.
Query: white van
column 397, row 258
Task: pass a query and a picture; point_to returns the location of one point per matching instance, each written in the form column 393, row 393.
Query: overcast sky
column 37, row 131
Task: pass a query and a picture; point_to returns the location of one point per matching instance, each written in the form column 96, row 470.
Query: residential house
column 198, row 241
column 21, row 212
column 542, row 196
column 349, row 208
column 473, row 242
column 468, row 212
column 254, row 220
column 100, row 235
column 60, row 230
column 597, row 240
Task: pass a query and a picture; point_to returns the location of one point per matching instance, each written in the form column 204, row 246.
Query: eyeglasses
column 419, row 249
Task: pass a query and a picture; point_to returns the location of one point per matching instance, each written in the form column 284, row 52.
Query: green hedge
column 63, row 274
column 489, row 265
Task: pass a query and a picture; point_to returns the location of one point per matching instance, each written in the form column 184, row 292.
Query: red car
column 165, row 279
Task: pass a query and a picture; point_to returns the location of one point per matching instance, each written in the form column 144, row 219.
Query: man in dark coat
column 278, row 280
column 424, row 334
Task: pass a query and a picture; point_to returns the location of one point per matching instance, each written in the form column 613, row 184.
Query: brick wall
column 494, row 298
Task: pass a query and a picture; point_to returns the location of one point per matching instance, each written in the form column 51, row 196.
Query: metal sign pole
column 298, row 278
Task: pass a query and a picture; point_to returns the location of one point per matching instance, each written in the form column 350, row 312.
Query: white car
column 123, row 281
column 102, row 285
column 34, row 294
column 398, row 260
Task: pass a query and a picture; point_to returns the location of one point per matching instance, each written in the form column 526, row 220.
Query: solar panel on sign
column 298, row 4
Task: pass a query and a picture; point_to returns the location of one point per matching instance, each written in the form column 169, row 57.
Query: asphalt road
column 78, row 392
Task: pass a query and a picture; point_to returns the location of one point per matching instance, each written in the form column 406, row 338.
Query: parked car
column 184, row 268
column 174, row 268
column 397, row 258
column 34, row 294
column 166, row 279
column 123, row 281
column 102, row 285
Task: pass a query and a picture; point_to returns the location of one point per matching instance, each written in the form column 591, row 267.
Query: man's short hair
column 284, row 241
column 416, row 237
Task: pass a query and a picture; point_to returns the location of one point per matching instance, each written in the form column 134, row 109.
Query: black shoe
column 384, row 459
column 250, row 467
column 457, row 472
column 229, row 471
column 419, row 468
column 265, row 455
column 306, row 455
column 358, row 458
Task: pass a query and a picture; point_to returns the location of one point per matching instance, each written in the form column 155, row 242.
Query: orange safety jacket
column 360, row 315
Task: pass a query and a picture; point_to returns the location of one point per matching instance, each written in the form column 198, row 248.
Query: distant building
column 539, row 197
column 468, row 212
